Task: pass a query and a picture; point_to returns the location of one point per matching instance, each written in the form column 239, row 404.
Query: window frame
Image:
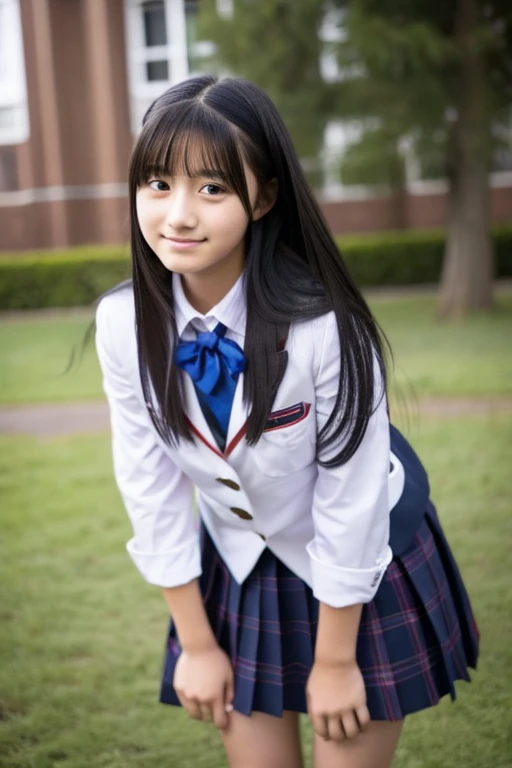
column 13, row 86
column 143, row 91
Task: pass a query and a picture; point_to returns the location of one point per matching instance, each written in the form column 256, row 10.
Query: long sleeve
column 349, row 552
column 157, row 495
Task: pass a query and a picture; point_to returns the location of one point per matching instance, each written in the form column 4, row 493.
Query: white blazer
column 329, row 526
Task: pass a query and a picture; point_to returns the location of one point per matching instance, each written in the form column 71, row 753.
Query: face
column 196, row 225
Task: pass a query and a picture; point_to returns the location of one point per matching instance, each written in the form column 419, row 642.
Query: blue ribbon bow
column 213, row 363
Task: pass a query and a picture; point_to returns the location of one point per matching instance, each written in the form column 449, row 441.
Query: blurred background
column 401, row 112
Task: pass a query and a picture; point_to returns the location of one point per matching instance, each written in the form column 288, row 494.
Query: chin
column 182, row 265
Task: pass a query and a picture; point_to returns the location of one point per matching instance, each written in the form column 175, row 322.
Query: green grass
column 81, row 634
column 34, row 356
column 472, row 358
column 431, row 359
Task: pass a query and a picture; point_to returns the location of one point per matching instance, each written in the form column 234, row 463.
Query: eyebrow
column 200, row 173
column 209, row 173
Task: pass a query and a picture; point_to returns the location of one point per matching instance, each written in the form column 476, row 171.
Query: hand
column 337, row 700
column 204, row 683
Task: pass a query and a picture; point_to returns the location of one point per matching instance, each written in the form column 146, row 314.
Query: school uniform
column 278, row 533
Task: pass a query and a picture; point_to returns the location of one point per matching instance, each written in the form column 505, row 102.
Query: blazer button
column 230, row 483
column 241, row 513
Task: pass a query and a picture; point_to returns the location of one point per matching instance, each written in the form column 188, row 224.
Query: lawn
column 431, row 359
column 81, row 635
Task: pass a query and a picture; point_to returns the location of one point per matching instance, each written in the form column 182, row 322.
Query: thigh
column 373, row 748
column 263, row 741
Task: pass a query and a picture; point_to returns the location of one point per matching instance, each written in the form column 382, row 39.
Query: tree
column 275, row 43
column 437, row 76
column 431, row 79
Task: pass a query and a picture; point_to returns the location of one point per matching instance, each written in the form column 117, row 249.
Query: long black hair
column 293, row 270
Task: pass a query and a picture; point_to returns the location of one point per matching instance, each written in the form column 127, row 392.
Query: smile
column 182, row 245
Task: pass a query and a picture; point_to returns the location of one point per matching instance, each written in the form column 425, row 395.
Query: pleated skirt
column 416, row 638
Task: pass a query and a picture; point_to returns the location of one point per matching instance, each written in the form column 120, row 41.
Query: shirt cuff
column 340, row 587
column 169, row 569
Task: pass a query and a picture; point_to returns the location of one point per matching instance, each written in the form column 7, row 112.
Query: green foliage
column 373, row 160
column 399, row 64
column 407, row 61
column 66, row 279
column 79, row 276
column 275, row 45
column 409, row 257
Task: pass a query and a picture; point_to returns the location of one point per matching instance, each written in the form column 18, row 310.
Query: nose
column 180, row 211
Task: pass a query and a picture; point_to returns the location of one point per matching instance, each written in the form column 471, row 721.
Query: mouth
column 184, row 239
column 183, row 243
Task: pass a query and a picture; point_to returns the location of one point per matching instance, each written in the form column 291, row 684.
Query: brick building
column 75, row 79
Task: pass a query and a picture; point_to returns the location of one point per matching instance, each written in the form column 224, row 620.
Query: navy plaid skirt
column 416, row 637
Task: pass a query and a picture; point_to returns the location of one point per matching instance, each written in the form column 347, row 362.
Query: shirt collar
column 230, row 311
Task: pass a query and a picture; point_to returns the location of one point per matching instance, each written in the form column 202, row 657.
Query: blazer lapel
column 196, row 417
column 201, row 428
column 238, row 418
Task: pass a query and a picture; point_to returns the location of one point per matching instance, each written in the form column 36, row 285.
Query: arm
column 349, row 552
column 186, row 607
column 165, row 546
column 158, row 497
column 337, row 635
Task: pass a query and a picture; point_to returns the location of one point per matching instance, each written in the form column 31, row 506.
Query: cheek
column 146, row 218
column 233, row 224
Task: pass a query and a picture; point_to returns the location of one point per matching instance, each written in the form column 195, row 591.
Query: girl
column 242, row 365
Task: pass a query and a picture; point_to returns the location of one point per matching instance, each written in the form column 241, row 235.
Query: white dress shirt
column 329, row 526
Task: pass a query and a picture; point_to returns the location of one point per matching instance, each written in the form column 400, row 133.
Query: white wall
column 14, row 123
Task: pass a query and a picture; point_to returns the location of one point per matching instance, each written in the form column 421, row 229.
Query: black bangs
column 193, row 140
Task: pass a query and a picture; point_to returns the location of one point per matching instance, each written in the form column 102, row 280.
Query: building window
column 155, row 35
column 191, row 11
column 156, row 48
column 162, row 49
column 154, row 22
column 199, row 52
column 157, row 71
column 14, row 125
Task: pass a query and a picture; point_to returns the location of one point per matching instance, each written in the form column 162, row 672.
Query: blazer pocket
column 286, row 417
column 287, row 443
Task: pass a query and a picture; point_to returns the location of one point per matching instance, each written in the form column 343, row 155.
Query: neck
column 204, row 290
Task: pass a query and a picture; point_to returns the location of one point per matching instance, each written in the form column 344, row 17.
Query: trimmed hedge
column 410, row 257
column 78, row 276
column 66, row 279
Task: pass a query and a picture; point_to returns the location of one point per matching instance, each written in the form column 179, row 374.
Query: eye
column 213, row 190
column 158, row 185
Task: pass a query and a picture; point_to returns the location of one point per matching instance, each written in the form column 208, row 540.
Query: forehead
column 188, row 140
column 186, row 149
column 190, row 160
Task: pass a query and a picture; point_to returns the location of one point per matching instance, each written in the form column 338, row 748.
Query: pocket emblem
column 286, row 417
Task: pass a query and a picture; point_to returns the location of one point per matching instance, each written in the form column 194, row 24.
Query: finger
column 335, row 728
column 219, row 714
column 192, row 707
column 363, row 717
column 182, row 699
column 319, row 723
column 206, row 712
column 229, row 694
column 349, row 724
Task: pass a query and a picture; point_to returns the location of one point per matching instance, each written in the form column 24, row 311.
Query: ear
column 266, row 200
